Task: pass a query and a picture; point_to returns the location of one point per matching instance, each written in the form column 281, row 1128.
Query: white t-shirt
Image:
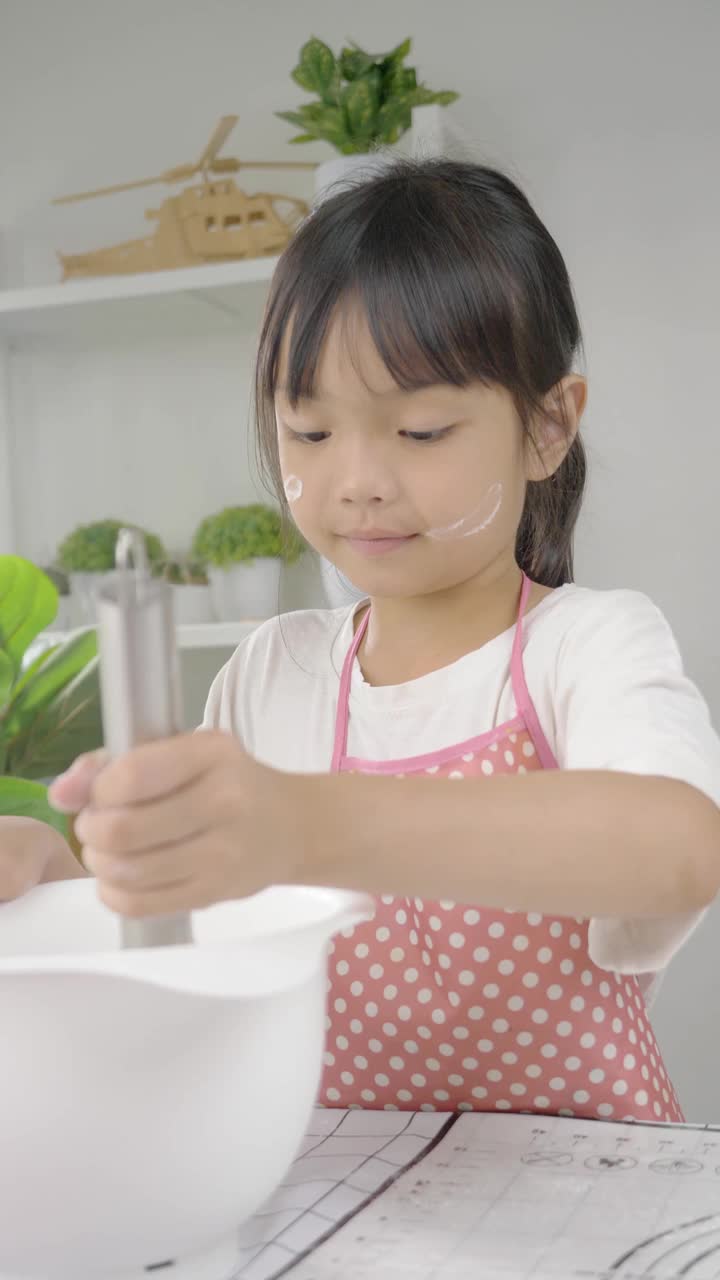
column 603, row 671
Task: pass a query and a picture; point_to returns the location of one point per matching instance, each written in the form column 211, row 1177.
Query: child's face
column 453, row 497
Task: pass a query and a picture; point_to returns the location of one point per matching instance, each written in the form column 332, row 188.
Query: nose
column 365, row 475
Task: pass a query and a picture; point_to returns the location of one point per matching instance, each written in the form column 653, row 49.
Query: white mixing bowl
column 151, row 1101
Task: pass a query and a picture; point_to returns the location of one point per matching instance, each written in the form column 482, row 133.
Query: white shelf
column 216, row 297
column 201, row 635
column 215, row 635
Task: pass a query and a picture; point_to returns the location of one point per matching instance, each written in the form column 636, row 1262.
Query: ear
column 556, row 426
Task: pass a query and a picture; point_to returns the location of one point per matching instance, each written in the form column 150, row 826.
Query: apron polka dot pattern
column 435, row 1005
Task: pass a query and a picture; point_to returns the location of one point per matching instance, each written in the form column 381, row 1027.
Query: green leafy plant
column 184, row 573
column 239, row 534
column 365, row 100
column 49, row 704
column 90, row 548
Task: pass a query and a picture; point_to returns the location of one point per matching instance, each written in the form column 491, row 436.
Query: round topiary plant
column 90, row 548
column 239, row 534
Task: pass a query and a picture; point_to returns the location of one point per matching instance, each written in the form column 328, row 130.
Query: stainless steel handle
column 139, row 687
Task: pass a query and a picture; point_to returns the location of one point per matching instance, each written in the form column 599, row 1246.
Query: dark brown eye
column 426, row 437
column 310, row 437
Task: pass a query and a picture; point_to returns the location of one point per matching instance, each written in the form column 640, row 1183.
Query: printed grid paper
column 433, row 1196
column 513, row 1197
column 345, row 1159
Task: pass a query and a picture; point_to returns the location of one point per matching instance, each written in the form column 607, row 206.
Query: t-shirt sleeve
column 225, row 706
column 623, row 702
column 218, row 708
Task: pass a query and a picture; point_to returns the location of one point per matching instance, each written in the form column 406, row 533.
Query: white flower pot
column 247, row 590
column 83, row 592
column 192, row 602
column 65, row 617
column 342, row 171
column 338, row 590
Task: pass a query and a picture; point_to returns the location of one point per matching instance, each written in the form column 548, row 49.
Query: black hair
column 460, row 282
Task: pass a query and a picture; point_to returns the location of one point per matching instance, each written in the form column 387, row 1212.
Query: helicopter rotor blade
column 179, row 174
column 219, row 135
column 106, row 191
column 231, row 165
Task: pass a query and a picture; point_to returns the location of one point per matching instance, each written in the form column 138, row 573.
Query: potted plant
column 364, row 102
column 49, row 702
column 243, row 549
column 88, row 553
column 192, row 601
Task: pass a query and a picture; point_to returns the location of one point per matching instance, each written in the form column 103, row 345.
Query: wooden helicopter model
column 212, row 220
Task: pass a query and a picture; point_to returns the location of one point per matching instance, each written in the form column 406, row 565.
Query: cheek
column 303, row 493
column 453, row 485
column 498, row 458
column 292, row 473
column 293, row 486
column 304, row 477
column 475, row 496
column 477, row 519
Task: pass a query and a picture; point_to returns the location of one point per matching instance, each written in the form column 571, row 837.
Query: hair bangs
column 428, row 323
column 438, row 311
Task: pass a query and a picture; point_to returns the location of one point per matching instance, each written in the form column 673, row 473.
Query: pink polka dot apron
column 436, row 1005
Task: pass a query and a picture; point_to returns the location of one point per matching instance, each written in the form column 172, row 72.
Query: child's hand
column 32, row 853
column 181, row 823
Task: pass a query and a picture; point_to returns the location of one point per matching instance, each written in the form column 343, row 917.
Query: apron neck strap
column 343, row 707
column 520, row 691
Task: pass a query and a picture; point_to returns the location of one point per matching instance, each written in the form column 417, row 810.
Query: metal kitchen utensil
column 139, row 687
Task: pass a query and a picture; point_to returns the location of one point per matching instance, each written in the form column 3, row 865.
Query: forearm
column 561, row 842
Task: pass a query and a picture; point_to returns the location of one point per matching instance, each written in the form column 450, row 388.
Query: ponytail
column 544, row 545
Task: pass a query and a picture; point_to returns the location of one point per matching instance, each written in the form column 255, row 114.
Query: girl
column 515, row 766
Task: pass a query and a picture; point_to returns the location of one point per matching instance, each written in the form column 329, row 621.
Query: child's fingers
column 184, row 895
column 157, row 769
column 136, row 828
column 71, row 790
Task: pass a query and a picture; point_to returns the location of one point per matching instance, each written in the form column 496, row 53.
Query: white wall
column 155, row 431
column 607, row 113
